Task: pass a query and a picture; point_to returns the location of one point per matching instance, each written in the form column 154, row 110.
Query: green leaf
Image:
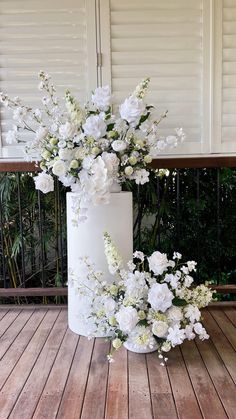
column 179, row 302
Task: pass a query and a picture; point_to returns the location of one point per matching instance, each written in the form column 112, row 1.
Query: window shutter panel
column 57, row 37
column 225, row 77
column 164, row 40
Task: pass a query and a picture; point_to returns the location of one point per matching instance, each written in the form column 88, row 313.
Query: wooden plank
column 193, row 162
column 117, row 390
column 223, row 383
column 73, row 396
column 50, row 399
column 231, row 314
column 33, row 292
column 25, row 405
column 162, row 399
column 8, row 319
column 12, row 387
column 3, row 312
column 221, row 343
column 95, row 395
column 13, row 330
column 185, row 399
column 11, row 357
column 21, row 166
column 45, row 307
column 139, row 392
column 224, row 289
column 228, row 329
column 206, row 394
column 168, row 162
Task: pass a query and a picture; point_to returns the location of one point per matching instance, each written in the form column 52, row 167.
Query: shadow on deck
column 46, row 371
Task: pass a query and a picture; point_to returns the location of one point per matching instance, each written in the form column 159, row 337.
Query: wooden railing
column 170, row 163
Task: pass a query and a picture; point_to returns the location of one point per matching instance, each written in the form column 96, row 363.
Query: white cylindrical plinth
column 86, row 240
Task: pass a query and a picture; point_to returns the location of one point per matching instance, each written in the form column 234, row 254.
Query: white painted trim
column 91, row 35
column 207, row 82
column 105, row 33
column 217, row 87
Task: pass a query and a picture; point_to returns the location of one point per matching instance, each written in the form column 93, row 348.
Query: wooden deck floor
column 46, row 371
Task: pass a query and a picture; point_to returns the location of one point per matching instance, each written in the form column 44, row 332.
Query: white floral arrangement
column 151, row 305
column 87, row 147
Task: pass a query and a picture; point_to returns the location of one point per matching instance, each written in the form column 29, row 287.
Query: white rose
column 119, row 145
column 67, row 130
column 159, row 328
column 127, row 318
column 44, row 182
column 129, row 170
column 95, row 127
column 175, row 314
column 102, row 97
column 132, row 109
column 59, row 168
column 158, row 263
column 160, row 297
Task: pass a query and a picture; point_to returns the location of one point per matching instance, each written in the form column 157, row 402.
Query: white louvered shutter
column 165, row 41
column 225, row 76
column 58, row 37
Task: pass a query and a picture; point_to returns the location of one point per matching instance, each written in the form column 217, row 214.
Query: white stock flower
column 173, row 280
column 160, row 297
column 12, row 136
column 191, row 265
column 140, row 176
column 176, row 335
column 44, row 182
column 102, row 97
column 188, row 280
column 139, row 255
column 119, row 145
column 201, row 331
column 20, row 114
column 95, row 127
column 159, row 328
column 59, row 168
column 127, row 318
column 158, row 263
column 189, row 332
column 67, row 180
column 109, row 306
column 177, row 255
column 175, row 314
column 192, row 313
column 132, row 109
column 67, row 130
column 111, row 162
column 41, row 134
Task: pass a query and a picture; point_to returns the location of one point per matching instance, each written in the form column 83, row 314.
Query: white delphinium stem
column 114, row 259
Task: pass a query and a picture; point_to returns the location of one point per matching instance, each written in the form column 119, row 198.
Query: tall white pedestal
column 86, row 239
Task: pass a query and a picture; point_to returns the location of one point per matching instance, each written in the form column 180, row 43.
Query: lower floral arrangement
column 152, row 304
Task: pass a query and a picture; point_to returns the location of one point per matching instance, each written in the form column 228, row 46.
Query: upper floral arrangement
column 88, row 147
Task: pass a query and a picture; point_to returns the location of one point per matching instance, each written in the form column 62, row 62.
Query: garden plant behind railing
column 191, row 210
